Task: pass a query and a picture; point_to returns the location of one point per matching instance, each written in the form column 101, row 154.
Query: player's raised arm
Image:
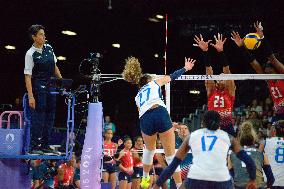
column 204, row 46
column 247, row 57
column 219, row 46
column 188, row 65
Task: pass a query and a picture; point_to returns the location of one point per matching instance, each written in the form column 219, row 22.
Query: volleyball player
column 274, row 148
column 126, row 165
column 272, row 66
column 209, row 146
column 109, row 164
column 220, row 94
column 248, row 139
column 154, row 117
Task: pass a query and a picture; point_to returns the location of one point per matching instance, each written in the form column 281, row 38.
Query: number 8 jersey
column 222, row 102
column 274, row 148
column 148, row 96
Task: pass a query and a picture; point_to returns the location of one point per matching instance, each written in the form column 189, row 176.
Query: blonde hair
column 132, row 70
column 247, row 134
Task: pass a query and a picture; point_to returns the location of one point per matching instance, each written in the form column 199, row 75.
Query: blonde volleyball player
column 209, row 146
column 154, row 117
column 248, row 140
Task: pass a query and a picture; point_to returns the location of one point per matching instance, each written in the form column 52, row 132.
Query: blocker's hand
column 201, row 43
column 237, row 39
column 219, row 42
column 258, row 29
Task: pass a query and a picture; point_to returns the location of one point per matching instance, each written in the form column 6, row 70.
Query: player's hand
column 258, row 29
column 32, row 102
column 251, row 184
column 201, row 43
column 189, row 63
column 237, row 38
column 219, row 42
column 119, row 142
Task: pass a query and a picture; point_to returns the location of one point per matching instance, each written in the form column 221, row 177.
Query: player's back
column 149, row 95
column 274, row 148
column 209, row 151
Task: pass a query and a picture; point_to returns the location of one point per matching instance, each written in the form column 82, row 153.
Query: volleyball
column 252, row 41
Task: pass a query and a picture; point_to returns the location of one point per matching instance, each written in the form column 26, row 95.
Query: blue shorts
column 158, row 170
column 138, row 172
column 155, row 120
column 202, row 184
column 124, row 176
column 109, row 168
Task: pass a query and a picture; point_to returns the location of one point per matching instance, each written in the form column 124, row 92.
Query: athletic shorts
column 202, row 184
column 155, row 120
column 158, row 170
column 124, row 176
column 138, row 172
column 109, row 168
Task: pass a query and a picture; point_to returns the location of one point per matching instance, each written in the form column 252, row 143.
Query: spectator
column 109, row 124
column 65, row 176
column 256, row 122
column 34, row 173
column 46, row 172
column 255, row 106
column 77, row 174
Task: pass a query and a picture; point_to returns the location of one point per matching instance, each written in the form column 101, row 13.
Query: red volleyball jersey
column 222, row 102
column 136, row 160
column 127, row 159
column 276, row 89
column 68, row 175
column 109, row 149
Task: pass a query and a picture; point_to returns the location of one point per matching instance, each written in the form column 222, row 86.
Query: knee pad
column 148, row 157
column 169, row 160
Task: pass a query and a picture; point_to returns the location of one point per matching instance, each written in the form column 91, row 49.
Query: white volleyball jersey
column 149, row 95
column 274, row 148
column 210, row 151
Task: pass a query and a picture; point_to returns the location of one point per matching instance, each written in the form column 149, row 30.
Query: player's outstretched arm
column 204, row 46
column 247, row 57
column 268, row 171
column 250, row 165
column 188, row 65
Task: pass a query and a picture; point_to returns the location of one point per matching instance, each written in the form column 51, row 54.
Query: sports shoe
column 145, row 182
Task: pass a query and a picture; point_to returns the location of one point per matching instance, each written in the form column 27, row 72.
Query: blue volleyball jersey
column 149, row 95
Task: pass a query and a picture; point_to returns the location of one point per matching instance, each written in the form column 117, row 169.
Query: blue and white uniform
column 149, row 95
column 210, row 152
column 152, row 120
column 40, row 65
column 274, row 149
